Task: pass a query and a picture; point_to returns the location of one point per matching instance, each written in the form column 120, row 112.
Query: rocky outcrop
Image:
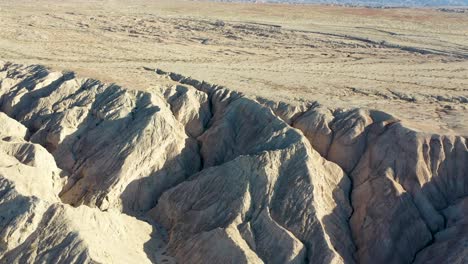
column 35, row 227
column 190, row 107
column 402, row 180
column 122, row 148
column 452, row 239
column 420, row 176
column 244, row 187
column 232, row 179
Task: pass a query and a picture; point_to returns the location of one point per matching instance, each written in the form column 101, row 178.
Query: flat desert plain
column 412, row 63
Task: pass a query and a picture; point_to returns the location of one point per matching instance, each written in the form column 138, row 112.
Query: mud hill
column 195, row 173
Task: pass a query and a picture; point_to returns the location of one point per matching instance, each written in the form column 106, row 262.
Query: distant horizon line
column 345, row 3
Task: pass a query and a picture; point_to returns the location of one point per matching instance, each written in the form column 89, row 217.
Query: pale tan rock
column 449, row 247
column 35, row 227
column 217, row 246
column 349, row 137
column 262, row 164
column 83, row 235
column 93, row 128
column 41, row 232
column 29, row 166
column 20, row 215
column 274, row 243
column 315, row 124
column 11, row 128
column 452, row 240
column 232, row 179
column 430, row 172
column 287, row 112
column 190, row 107
column 386, row 224
column 29, row 181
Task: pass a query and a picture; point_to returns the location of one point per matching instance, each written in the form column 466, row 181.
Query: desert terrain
column 201, row 132
column 408, row 62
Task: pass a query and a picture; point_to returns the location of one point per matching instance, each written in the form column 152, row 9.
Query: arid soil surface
column 412, row 63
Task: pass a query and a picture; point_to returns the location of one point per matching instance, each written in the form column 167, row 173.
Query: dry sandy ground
column 412, row 63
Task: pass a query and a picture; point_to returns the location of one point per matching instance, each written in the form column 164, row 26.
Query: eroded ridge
column 231, row 178
column 36, row 227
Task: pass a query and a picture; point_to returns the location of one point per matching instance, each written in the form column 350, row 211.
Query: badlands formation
column 140, row 163
column 194, row 173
